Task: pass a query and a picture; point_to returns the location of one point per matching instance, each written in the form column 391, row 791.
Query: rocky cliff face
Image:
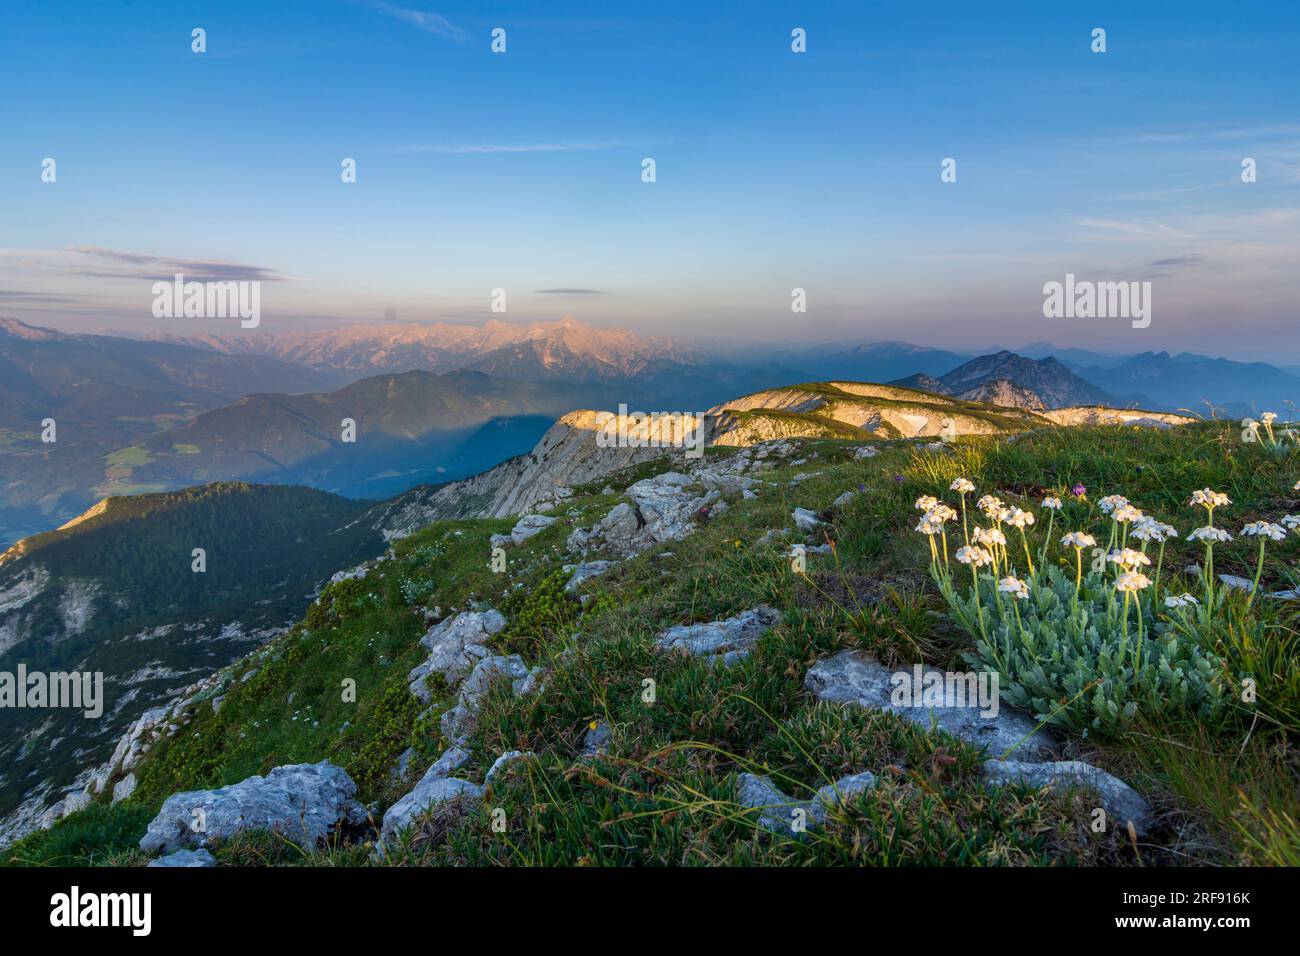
column 1003, row 392
column 569, row 453
column 1100, row 415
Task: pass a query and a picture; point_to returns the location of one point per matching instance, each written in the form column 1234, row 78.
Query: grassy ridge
column 665, row 792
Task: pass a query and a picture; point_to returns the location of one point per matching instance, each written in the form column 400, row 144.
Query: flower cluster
column 1269, row 438
column 1131, row 533
column 1116, row 639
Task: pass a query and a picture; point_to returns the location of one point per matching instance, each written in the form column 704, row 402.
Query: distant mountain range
column 407, row 429
column 1191, row 381
column 105, row 393
column 411, row 428
column 1026, row 382
column 437, row 402
column 566, row 350
column 570, row 350
column 123, row 384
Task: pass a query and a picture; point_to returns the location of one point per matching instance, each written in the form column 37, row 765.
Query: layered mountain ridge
column 565, row 349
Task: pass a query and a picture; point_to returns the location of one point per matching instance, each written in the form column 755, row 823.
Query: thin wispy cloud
column 1130, row 227
column 468, row 148
column 1191, row 259
column 1216, row 135
column 569, row 291
column 19, row 296
column 429, row 22
column 100, row 263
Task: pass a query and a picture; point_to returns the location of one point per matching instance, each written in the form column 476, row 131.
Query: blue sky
column 775, row 170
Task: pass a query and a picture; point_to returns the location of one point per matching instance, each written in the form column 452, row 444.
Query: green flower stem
column 1137, row 601
column 1025, row 541
column 1047, row 544
column 1209, row 578
column 1078, row 575
column 1259, row 569
column 1123, row 646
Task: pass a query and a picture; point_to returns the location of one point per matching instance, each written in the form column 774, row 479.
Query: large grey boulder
column 855, row 677
column 455, row 646
column 843, row 790
column 661, row 510
column 357, row 573
column 725, row 482
column 186, row 858
column 1121, row 802
column 667, row 504
column 530, row 525
column 124, row 788
column 505, row 762
column 432, row 791
column 787, row 816
column 725, row 641
column 806, row 520
column 436, row 788
column 776, row 809
column 452, row 759
column 585, row 572
column 595, row 742
column 77, row 800
column 458, row 722
column 303, row 802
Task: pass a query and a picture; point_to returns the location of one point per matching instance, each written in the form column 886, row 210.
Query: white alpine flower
column 1209, row 534
column 1016, row 518
column 972, row 555
column 989, row 536
column 1079, row 539
column 1147, row 528
column 1111, row 502
column 1208, row 498
column 991, row 506
column 1131, row 582
column 961, row 486
column 941, row 513
column 1052, row 504
column 928, row 527
column 1013, row 585
column 1128, row 558
column 1180, row 600
column 1291, row 521
column 1126, row 513
column 1268, row 418
column 1264, row 529
column 926, row 502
